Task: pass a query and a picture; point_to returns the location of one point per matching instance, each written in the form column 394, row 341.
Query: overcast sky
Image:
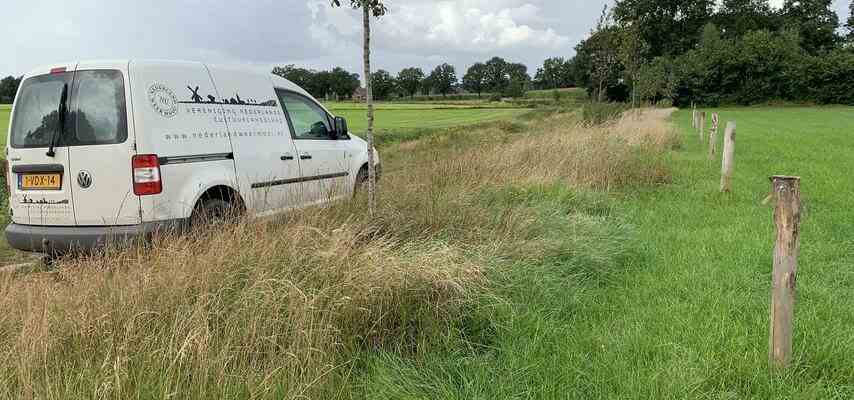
column 308, row 33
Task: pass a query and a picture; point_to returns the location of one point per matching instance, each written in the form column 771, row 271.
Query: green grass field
column 684, row 315
column 5, row 111
column 393, row 118
column 663, row 290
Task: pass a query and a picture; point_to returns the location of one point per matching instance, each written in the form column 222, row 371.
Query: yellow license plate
column 41, row 182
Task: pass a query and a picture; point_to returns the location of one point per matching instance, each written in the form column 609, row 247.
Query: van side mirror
column 340, row 128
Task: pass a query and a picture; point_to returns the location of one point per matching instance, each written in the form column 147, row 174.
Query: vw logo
column 84, row 179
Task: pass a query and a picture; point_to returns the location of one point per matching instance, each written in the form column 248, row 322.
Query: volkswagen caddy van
column 108, row 150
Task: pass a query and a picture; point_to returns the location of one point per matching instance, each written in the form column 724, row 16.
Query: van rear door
column 40, row 184
column 100, row 146
column 86, row 181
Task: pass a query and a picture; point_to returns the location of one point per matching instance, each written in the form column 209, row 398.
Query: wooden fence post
column 713, row 137
column 787, row 219
column 702, row 126
column 693, row 115
column 728, row 157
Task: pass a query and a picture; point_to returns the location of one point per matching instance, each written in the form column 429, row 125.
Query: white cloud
column 441, row 27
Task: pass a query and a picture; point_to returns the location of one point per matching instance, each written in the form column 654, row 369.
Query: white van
column 121, row 149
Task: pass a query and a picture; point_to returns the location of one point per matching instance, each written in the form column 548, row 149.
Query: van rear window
column 95, row 110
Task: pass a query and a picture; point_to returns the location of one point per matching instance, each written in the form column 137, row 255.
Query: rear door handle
column 305, row 156
column 286, row 157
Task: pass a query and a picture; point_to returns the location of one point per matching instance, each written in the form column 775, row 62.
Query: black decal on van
column 28, row 200
column 196, row 98
column 297, row 180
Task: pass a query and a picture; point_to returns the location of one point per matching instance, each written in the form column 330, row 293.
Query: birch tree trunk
column 372, row 173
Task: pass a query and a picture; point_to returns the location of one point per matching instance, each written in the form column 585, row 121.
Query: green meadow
column 682, row 309
column 659, row 290
column 391, row 118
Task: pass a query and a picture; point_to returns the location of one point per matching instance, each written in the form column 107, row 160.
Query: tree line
column 738, row 52
column 495, row 76
column 8, row 89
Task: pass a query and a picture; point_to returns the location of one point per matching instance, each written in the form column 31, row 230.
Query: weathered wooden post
column 787, row 219
column 728, row 162
column 693, row 115
column 702, row 126
column 713, row 137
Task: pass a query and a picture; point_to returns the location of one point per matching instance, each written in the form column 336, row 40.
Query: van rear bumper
column 62, row 239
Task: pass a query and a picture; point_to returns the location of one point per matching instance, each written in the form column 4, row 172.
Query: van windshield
column 95, row 112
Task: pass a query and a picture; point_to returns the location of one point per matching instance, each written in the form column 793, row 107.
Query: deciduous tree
column 409, row 80
column 475, row 78
column 443, row 78
column 555, row 73
column 495, row 77
column 8, row 89
column 816, row 22
column 377, row 9
column 383, row 84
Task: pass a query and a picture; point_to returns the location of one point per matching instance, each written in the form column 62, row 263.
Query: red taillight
column 146, row 175
column 57, row 70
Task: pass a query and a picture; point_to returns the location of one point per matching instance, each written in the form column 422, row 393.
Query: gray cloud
column 306, row 32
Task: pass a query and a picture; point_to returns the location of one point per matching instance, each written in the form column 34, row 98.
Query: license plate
column 40, row 182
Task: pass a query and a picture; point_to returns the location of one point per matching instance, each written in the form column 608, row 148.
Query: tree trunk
column 372, row 173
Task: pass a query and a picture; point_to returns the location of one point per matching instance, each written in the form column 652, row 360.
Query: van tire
column 212, row 212
column 361, row 181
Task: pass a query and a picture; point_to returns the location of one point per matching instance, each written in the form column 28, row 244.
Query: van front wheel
column 361, row 181
column 212, row 212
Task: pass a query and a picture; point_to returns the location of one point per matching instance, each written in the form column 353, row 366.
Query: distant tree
column 850, row 24
column 496, row 78
column 321, row 84
column 668, row 27
column 8, row 89
column 383, row 84
column 518, row 80
column 632, row 49
column 816, row 22
column 443, row 78
column 737, row 17
column 598, row 55
column 475, row 78
column 307, row 79
column 555, row 73
column 343, row 83
column 409, row 80
column 426, row 86
column 656, row 80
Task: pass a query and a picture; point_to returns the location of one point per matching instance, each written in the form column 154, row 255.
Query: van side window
column 309, row 121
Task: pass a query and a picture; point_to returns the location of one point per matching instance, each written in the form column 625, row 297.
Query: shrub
column 596, row 113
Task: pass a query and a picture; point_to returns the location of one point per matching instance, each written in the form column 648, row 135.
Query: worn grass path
column 686, row 315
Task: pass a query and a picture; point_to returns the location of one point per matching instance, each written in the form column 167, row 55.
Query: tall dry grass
column 278, row 309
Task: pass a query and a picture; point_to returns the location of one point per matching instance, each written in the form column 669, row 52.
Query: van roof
column 278, row 81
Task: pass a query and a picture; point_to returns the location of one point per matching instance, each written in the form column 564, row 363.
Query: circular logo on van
column 163, row 100
column 84, row 179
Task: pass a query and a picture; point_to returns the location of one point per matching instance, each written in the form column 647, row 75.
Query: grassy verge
column 299, row 307
column 680, row 308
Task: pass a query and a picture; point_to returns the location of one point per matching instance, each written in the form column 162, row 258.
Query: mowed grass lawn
column 686, row 314
column 403, row 117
